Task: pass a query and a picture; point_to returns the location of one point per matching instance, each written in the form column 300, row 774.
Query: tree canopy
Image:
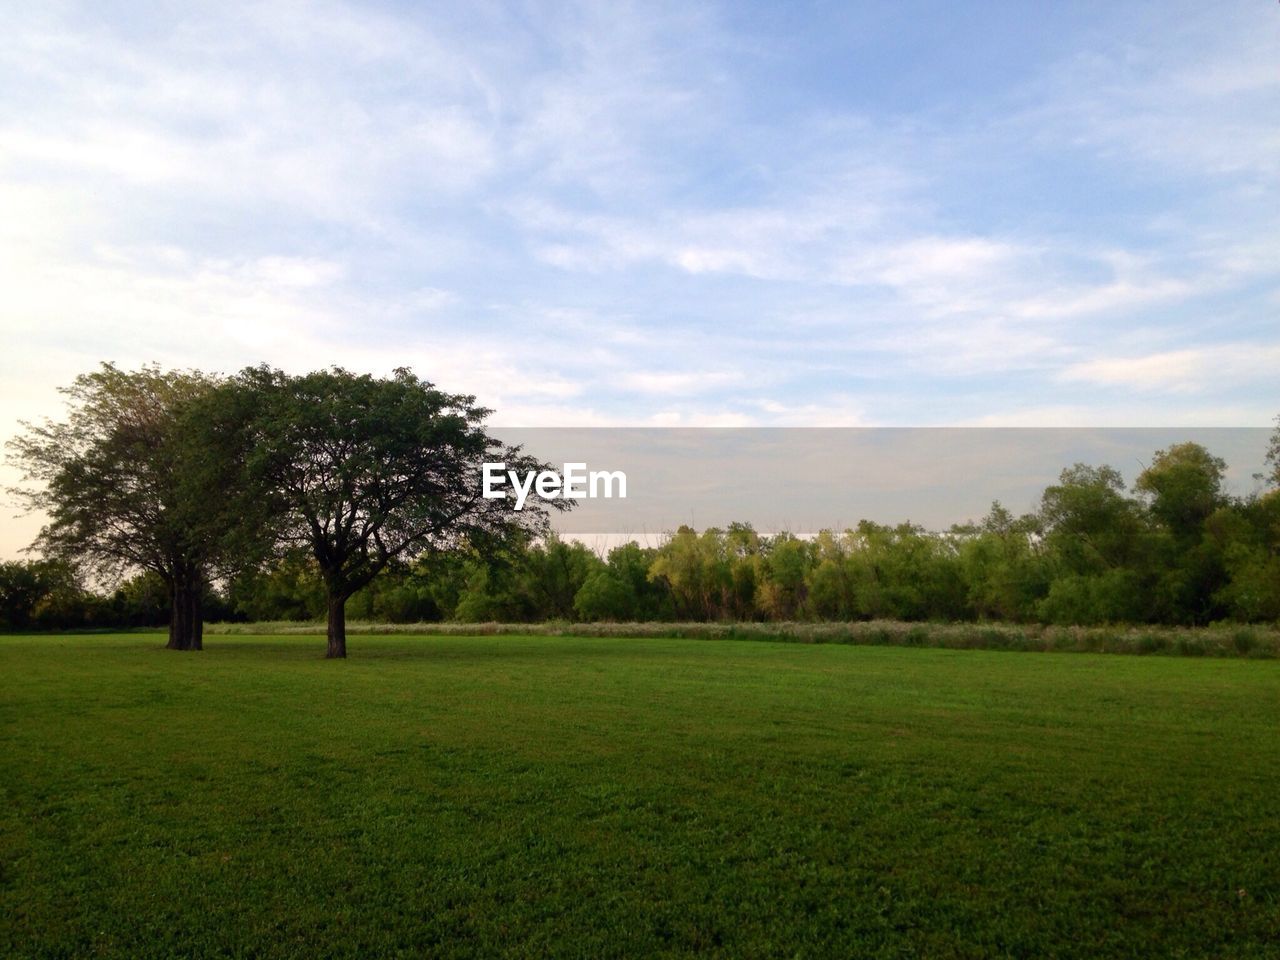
column 365, row 472
column 124, row 488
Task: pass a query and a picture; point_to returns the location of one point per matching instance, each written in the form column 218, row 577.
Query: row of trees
column 1173, row 549
column 190, row 479
column 52, row 595
column 1176, row 549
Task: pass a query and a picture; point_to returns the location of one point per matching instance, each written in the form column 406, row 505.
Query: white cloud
column 1188, row 370
column 699, row 418
column 667, row 383
column 1200, row 97
column 1119, row 295
column 280, row 116
column 925, row 261
column 836, row 410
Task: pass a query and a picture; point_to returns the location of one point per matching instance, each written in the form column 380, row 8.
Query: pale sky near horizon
column 882, row 213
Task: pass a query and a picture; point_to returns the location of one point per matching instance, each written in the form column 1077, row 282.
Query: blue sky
column 888, row 213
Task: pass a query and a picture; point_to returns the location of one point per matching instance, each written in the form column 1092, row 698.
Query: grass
column 596, row 797
column 1220, row 640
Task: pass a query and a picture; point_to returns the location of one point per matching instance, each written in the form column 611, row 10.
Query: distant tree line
column 314, row 497
column 1174, row 550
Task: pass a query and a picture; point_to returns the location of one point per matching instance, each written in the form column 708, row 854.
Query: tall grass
column 1224, row 640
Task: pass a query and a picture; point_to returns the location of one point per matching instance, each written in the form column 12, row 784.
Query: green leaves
column 117, row 475
column 367, row 470
column 1184, row 484
column 364, row 472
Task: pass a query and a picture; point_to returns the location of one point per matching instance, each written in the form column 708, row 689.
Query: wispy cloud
column 1189, row 96
column 1189, row 370
column 654, row 213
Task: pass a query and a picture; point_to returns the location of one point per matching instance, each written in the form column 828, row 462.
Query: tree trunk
column 181, row 628
column 175, row 616
column 186, row 620
column 195, row 618
column 337, row 628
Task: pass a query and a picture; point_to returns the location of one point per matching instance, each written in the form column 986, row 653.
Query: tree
column 904, row 573
column 1183, row 487
column 1003, row 570
column 23, row 584
column 1093, row 542
column 1184, row 483
column 1246, row 534
column 286, row 588
column 365, row 471
column 141, row 601
column 126, row 490
column 1273, row 455
column 605, row 596
column 61, row 601
column 1090, row 526
column 698, row 570
column 832, row 594
column 553, row 572
column 786, row 564
column 622, row 590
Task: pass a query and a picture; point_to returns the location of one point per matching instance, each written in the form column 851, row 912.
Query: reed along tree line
column 185, row 479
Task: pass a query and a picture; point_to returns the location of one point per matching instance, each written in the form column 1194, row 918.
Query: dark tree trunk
column 182, row 613
column 175, row 616
column 195, row 618
column 337, row 628
column 186, row 620
column 197, row 623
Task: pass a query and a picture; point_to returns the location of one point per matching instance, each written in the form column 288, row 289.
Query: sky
column 718, row 214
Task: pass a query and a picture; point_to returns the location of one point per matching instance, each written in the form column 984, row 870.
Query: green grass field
column 575, row 797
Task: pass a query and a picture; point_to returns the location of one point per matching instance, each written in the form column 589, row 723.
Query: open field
column 594, row 797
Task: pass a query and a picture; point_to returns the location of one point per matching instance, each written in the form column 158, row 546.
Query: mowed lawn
column 519, row 796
